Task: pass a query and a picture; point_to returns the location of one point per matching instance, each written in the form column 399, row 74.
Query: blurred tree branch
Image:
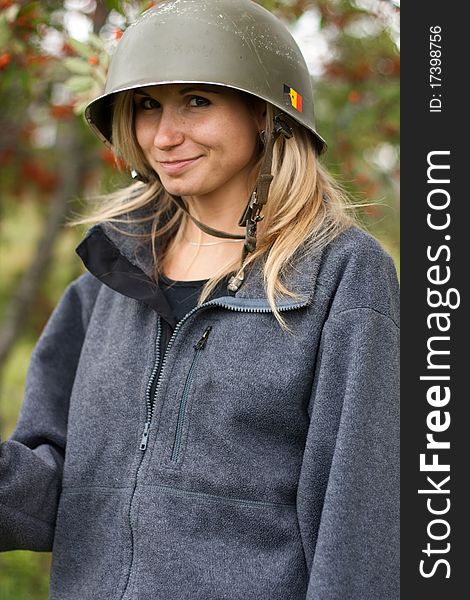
column 19, row 29
column 71, row 165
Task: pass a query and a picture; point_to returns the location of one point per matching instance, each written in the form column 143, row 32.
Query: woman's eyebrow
column 142, row 92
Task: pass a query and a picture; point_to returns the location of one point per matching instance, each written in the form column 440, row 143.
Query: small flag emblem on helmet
column 293, row 98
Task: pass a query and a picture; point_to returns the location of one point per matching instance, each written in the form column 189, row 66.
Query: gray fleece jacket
column 236, row 461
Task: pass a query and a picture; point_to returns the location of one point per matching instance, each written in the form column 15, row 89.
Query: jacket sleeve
column 31, row 461
column 348, row 494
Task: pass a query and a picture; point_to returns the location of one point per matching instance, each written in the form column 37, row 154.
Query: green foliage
column 24, row 576
column 13, row 385
column 88, row 70
column 115, row 5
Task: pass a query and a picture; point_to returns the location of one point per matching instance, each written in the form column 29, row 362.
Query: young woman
column 211, row 411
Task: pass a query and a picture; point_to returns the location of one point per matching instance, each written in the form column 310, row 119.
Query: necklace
column 213, row 243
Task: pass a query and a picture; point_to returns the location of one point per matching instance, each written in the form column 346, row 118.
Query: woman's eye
column 147, row 103
column 198, row 101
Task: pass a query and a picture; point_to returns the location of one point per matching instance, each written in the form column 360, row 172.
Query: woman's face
column 199, row 139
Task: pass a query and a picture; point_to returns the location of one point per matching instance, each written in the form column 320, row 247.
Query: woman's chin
column 181, row 188
column 177, row 190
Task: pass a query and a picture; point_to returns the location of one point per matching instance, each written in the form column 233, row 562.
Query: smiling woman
column 212, row 409
column 204, row 148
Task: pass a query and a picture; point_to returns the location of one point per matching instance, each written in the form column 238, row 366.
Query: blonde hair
column 305, row 211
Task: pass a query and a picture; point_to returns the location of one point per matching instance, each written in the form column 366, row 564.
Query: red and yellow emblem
column 293, row 98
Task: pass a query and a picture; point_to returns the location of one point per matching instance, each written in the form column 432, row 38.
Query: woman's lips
column 176, row 166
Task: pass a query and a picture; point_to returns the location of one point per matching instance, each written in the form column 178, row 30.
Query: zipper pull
column 145, row 437
column 202, row 342
column 235, row 281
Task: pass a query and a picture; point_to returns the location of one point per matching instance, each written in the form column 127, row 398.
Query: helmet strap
column 252, row 214
column 215, row 232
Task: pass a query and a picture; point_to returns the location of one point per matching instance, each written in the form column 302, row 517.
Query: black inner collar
column 103, row 259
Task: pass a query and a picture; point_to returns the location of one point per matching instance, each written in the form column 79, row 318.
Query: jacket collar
column 124, row 263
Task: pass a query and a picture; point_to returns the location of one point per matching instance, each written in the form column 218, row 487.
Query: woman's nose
column 169, row 130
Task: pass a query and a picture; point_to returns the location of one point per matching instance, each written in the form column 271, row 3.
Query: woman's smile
column 179, row 165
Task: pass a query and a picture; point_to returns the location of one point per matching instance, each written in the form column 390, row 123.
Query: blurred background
column 53, row 59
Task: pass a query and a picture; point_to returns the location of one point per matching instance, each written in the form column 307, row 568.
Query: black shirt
column 182, row 296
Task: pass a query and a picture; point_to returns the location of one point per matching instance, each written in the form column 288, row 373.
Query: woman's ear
column 260, row 114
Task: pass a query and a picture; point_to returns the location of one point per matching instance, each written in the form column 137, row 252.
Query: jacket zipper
column 150, row 398
column 184, row 398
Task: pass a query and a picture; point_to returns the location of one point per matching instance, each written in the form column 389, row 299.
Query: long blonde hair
column 305, row 211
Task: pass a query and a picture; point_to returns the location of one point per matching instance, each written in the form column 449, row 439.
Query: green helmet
column 236, row 44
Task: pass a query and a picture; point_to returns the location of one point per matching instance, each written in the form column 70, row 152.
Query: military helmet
column 237, row 44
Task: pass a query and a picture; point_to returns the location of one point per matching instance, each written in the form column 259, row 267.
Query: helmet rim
column 260, row 57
